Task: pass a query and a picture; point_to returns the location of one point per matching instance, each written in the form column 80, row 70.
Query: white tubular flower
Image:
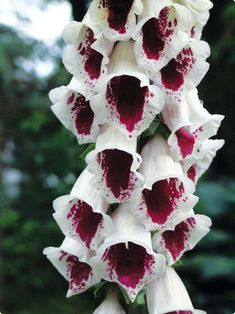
column 167, row 193
column 126, row 257
column 184, row 72
column 197, row 6
column 200, row 12
column 168, row 295
column 116, row 19
column 86, row 56
column 189, row 112
column 114, row 163
column 186, row 141
column 161, row 33
column 111, row 304
column 186, row 234
column 71, row 259
column 73, row 109
column 125, row 98
column 81, row 215
column 194, row 168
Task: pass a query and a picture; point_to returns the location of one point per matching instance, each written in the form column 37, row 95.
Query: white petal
column 110, row 305
column 116, row 21
column 187, row 233
column 184, row 72
column 195, row 167
column 126, row 257
column 190, row 112
column 166, row 24
column 71, row 259
column 80, row 215
column 132, row 115
column 168, row 294
column 73, row 109
column 87, row 55
column 167, row 192
column 114, row 163
column 197, row 6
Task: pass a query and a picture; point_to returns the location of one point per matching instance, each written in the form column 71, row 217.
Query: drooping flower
column 126, row 256
column 73, row 109
column 71, row 259
column 167, row 192
column 186, row 141
column 87, row 53
column 186, row 234
column 116, row 19
column 125, row 97
column 194, row 168
column 184, row 72
column 168, row 295
column 161, row 33
column 114, row 163
column 81, row 215
column 111, row 304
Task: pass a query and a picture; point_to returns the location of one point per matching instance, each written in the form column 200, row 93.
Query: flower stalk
column 129, row 218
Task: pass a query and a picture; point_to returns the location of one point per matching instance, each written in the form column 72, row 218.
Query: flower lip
column 72, row 260
column 116, row 259
column 164, row 177
column 115, row 19
column 184, row 72
column 125, row 98
column 73, row 109
column 114, row 163
column 81, row 215
column 185, row 235
column 87, row 54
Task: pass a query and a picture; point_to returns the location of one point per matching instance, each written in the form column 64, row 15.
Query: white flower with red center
column 126, row 256
column 114, row 163
column 167, row 192
column 168, row 295
column 116, row 19
column 185, row 235
column 194, row 168
column 161, row 33
column 73, row 109
column 125, row 97
column 81, row 215
column 186, row 142
column 87, row 53
column 71, row 259
column 184, row 72
column 111, row 304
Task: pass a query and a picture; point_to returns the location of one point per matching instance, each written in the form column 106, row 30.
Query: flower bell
column 116, row 19
column 168, row 295
column 194, row 168
column 185, row 235
column 160, row 34
column 73, row 109
column 71, row 259
column 167, row 192
column 82, row 214
column 125, row 97
column 87, row 53
column 126, row 256
column 114, row 163
column 183, row 72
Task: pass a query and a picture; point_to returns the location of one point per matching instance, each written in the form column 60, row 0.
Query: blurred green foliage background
column 40, row 161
